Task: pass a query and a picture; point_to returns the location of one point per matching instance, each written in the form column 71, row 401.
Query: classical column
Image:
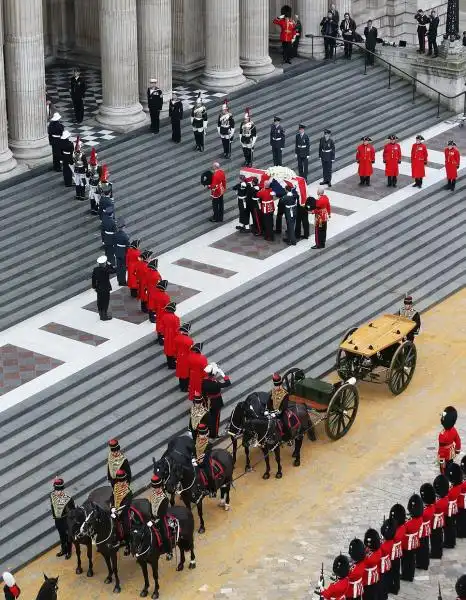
column 254, row 38
column 310, row 15
column 155, row 47
column 188, row 38
column 120, row 107
column 25, row 79
column 7, row 162
column 222, row 70
column 343, row 6
column 66, row 31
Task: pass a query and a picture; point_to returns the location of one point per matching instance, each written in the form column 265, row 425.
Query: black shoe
column 315, row 247
column 240, row 227
column 435, row 56
column 212, row 220
column 303, row 237
column 416, row 185
column 106, row 317
column 322, row 183
column 61, row 553
column 329, row 184
column 68, row 556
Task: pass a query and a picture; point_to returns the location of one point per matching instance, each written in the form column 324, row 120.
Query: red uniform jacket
column 462, row 497
column 322, row 210
column 183, row 345
column 266, row 197
column 141, row 270
column 151, row 280
column 449, row 444
column 287, row 27
column 418, row 161
column 411, row 537
column 440, row 512
column 337, row 590
column 132, row 255
column 365, row 157
column 392, row 158
column 427, row 518
column 386, row 556
column 13, row 590
column 170, row 326
column 158, row 300
column 372, row 567
column 397, row 550
column 452, row 162
column 355, row 580
column 197, row 363
column 219, row 184
column 453, row 498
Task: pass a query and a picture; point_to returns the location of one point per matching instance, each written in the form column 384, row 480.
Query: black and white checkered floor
column 58, row 85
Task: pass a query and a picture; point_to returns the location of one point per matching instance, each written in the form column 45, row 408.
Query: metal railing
column 340, row 43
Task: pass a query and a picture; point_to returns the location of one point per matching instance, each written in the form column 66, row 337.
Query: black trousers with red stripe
column 214, row 419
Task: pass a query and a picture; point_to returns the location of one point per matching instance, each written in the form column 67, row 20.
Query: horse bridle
column 94, row 537
column 138, row 554
column 180, row 490
column 232, row 424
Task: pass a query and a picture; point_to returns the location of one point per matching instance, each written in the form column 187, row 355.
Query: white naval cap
column 65, row 135
column 8, row 579
column 102, row 260
column 56, row 117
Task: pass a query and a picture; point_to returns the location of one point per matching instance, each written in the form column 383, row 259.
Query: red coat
column 372, row 567
column 322, row 210
column 452, row 162
column 453, row 498
column 266, row 197
column 449, row 444
column 183, row 345
column 140, row 270
column 418, row 160
column 440, row 512
column 462, row 497
column 397, row 550
column 158, row 300
column 337, row 590
column 411, row 537
column 170, row 327
column 197, row 363
column 355, row 580
column 287, row 29
column 386, row 556
column 151, row 280
column 392, row 158
column 365, row 157
column 132, row 255
column 219, row 184
column 427, row 518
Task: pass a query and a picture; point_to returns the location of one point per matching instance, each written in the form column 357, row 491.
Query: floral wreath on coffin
column 280, row 173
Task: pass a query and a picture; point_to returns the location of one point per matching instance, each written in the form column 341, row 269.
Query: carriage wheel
column 344, row 362
column 291, row 377
column 342, row 411
column 402, row 367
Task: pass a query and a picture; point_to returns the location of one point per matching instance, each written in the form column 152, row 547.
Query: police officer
column 327, row 157
column 109, row 229
column 101, row 284
column 277, row 141
column 67, row 149
column 55, row 131
column 302, row 150
column 290, row 203
column 154, row 104
column 122, row 242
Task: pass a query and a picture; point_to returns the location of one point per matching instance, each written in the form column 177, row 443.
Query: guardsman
column 108, row 229
column 80, row 170
column 121, row 240
column 152, row 277
column 77, row 92
column 460, row 587
column 392, row 160
column 105, row 191
column 290, row 209
column 419, row 157
column 159, row 504
column 226, row 129
column 337, row 590
column 217, row 188
column 411, row 541
column 116, row 461
column 121, row 501
column 388, row 531
column 398, row 515
column 427, row 494
column 183, row 343
column 197, row 362
column 55, row 131
column 199, row 123
column 449, row 441
column 461, row 518
column 371, row 580
column 67, row 151
column 409, row 311
column 93, row 174
column 61, row 503
column 365, row 157
column 302, row 150
column 441, row 487
column 248, row 137
column 266, row 197
column 322, row 213
column 356, row 575
column 211, row 389
column 154, row 104
column 175, row 112
column 452, row 163
column 199, row 413
column 203, row 449
column 158, row 299
column 132, row 255
column 141, row 274
column 11, row 588
column 327, row 157
column 287, row 32
column 170, row 327
column 455, row 477
column 277, row 141
column 242, row 190
column 102, row 286
column 254, row 207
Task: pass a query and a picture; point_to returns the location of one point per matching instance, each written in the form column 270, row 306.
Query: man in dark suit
column 78, row 91
column 302, row 149
column 101, row 284
column 370, row 33
column 348, row 30
column 335, row 13
column 327, row 157
column 432, row 35
column 329, row 29
column 422, row 22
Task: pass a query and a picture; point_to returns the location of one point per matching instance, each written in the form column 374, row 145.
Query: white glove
column 220, row 373
column 266, row 413
column 218, row 130
column 192, row 119
column 282, row 16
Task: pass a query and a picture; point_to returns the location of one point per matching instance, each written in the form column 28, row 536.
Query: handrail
column 415, row 81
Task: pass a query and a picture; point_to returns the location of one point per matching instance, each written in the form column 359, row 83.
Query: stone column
column 222, row 70
column 254, row 38
column 310, row 15
column 120, row 109
column 7, row 162
column 25, row 80
column 66, row 33
column 343, row 6
column 155, row 47
column 188, row 38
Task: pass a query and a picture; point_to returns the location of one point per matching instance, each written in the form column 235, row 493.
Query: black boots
column 104, row 316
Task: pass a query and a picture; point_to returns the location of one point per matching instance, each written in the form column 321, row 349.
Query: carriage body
column 381, row 351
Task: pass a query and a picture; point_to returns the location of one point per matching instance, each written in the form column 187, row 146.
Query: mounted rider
column 61, row 504
column 159, row 503
column 277, row 404
column 121, row 501
column 116, row 461
column 199, row 414
column 202, row 452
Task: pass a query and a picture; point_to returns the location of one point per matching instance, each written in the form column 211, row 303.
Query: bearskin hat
column 162, row 284
column 206, row 178
column 357, row 550
column 388, row 529
column 454, row 474
column 449, row 417
column 286, row 11
column 441, row 486
column 372, row 539
column 460, row 587
column 415, row 506
column 114, row 445
column 463, row 464
column 398, row 514
column 341, row 566
column 427, row 493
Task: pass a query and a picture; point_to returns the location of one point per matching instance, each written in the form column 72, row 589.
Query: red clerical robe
column 418, row 161
column 183, row 345
column 365, row 157
column 197, row 363
column 392, row 159
column 170, row 327
column 132, row 255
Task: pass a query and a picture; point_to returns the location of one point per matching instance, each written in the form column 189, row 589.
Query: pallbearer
column 418, row 161
column 392, row 160
column 226, row 129
column 365, row 157
column 80, row 170
column 248, row 137
column 199, row 123
column 452, row 163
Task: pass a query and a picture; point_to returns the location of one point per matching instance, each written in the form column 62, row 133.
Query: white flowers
column 280, row 173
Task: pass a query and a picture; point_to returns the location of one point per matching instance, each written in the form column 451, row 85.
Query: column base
column 31, row 152
column 187, row 72
column 7, row 162
column 257, row 69
column 316, row 50
column 121, row 119
column 223, row 80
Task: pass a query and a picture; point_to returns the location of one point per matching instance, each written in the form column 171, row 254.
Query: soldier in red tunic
column 452, row 163
column 10, row 589
column 441, row 487
column 427, row 494
column 170, row 327
column 411, row 541
column 267, row 207
column 158, row 299
column 365, row 157
column 217, row 188
column 419, row 159
column 287, row 32
column 455, row 477
column 322, row 213
column 338, row 589
column 388, row 531
column 183, row 343
column 357, row 552
column 132, row 255
column 392, row 160
column 461, row 517
column 371, row 582
column 197, row 362
column 449, row 441
column 151, row 280
column 398, row 515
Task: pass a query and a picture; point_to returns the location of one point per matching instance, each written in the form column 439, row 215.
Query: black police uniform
column 302, row 149
column 101, row 284
column 55, row 131
column 155, row 104
column 108, row 230
column 243, row 206
column 78, row 91
column 277, row 141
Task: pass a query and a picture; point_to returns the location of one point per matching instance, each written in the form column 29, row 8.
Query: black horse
column 146, row 545
column 75, row 518
column 48, row 590
column 253, row 407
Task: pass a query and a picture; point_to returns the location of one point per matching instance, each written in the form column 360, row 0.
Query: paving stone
column 178, row 293
column 122, row 306
column 250, row 245
column 458, row 134
column 378, row 189
column 74, row 334
column 18, row 366
column 204, row 268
